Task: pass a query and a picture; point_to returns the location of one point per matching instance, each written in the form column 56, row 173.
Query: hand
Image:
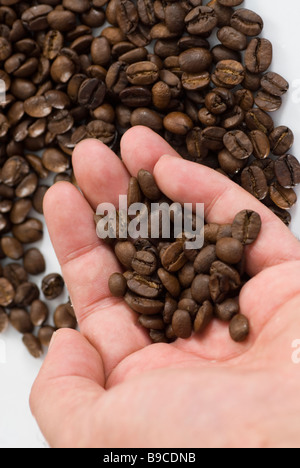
column 107, row 386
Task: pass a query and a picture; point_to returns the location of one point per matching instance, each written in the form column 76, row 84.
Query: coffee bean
column 227, row 309
column 190, row 305
column 230, row 3
column 14, row 170
column 229, row 163
column 146, row 117
column 283, row 197
column 200, row 288
column 239, row 328
column 229, row 73
column 15, row 274
column 143, row 286
column 238, row 144
column 186, row 274
column 148, row 185
column 7, row 293
column 143, row 305
column 182, row 324
column 195, row 60
column 254, row 181
column 125, row 253
column 154, row 322
column 26, row 293
column 203, row 317
column 232, row 38
column 144, row 263
column 258, row 55
column 45, row 334
column 260, row 143
column 173, row 257
column 33, row 345
column 117, row 285
column 142, row 73
column 256, row 119
column 52, row 286
column 229, row 250
column 246, row 226
column 212, row 138
column 287, row 171
column 170, row 282
column 34, row 262
column 63, row 318
column 281, row 140
column 246, row 21
column 178, row 123
column 12, row 248
column 267, row 102
column 201, row 20
column 205, row 259
column 39, row 313
column 29, row 231
column 20, row 320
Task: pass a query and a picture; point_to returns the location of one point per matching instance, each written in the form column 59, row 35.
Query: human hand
column 107, row 385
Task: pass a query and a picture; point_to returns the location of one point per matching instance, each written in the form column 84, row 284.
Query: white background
column 18, row 369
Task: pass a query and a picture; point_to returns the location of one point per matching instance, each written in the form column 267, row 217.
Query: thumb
column 66, row 390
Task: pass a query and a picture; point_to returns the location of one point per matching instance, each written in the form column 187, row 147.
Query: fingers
column 141, row 148
column 66, row 390
column 86, row 266
column 223, row 199
column 100, row 174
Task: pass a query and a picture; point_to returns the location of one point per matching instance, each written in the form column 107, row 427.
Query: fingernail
column 52, row 340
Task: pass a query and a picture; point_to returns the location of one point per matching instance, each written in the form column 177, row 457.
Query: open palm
column 107, row 385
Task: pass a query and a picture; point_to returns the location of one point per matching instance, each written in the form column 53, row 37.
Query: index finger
column 223, row 199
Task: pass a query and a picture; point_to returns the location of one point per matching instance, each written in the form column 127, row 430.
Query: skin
column 107, row 386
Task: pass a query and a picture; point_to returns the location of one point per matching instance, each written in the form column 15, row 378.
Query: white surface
column 17, row 368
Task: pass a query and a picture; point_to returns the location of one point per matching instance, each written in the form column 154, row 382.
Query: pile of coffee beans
column 177, row 290
column 75, row 69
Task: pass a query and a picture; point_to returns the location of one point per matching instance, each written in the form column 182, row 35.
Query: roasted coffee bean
column 7, row 292
column 190, row 305
column 239, row 328
column 274, row 84
column 256, row 119
column 33, row 345
column 182, row 324
column 173, row 257
column 283, row 197
column 161, row 95
column 40, row 193
column 144, row 263
column 39, row 313
column 195, row 60
column 212, row 138
column 219, row 100
column 228, row 272
column 186, row 274
column 281, row 140
column 136, row 96
column 142, row 73
column 200, row 288
column 229, row 250
column 238, row 144
column 201, row 20
column 14, row 170
column 146, row 117
column 63, row 317
column 203, row 317
column 117, row 285
column 12, row 247
column 287, row 171
column 267, row 102
column 52, row 286
column 219, row 287
column 20, row 320
column 170, row 282
column 205, row 259
column 148, row 185
column 91, row 93
column 29, row 231
column 195, row 145
column 125, row 252
column 178, row 123
column 143, row 305
column 144, row 286
column 229, row 73
column 34, row 262
column 247, row 22
column 246, row 226
column 258, row 55
column 27, row 186
column 232, row 38
column 45, row 334
column 154, row 322
column 229, row 163
column 230, row 3
column 254, row 181
column 26, row 293
column 260, row 143
column 227, row 309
